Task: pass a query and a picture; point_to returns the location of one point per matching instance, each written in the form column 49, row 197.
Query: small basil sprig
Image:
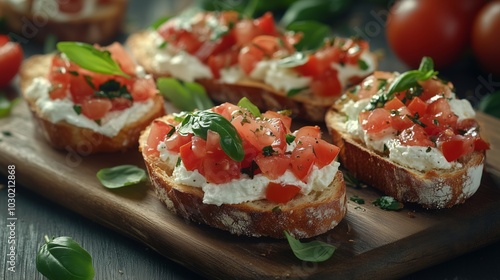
column 314, row 251
column 90, row 58
column 246, row 103
column 121, row 176
column 62, row 258
column 199, row 122
column 405, row 81
column 490, row 104
column 186, row 96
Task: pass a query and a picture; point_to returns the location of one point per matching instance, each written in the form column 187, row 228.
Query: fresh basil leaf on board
column 62, row 258
column 186, row 96
column 314, row 251
column 6, row 105
column 388, row 203
column 490, row 104
column 90, row 58
column 121, row 176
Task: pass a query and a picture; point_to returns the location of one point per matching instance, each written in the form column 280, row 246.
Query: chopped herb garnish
column 276, row 209
column 295, row 91
column 355, row 89
column 78, row 109
column 268, row 151
column 428, row 150
column 98, row 122
column 246, row 103
column 6, row 133
column 416, row 120
column 113, row 89
column 178, row 163
column 388, row 203
column 363, row 65
column 73, row 73
column 289, row 138
column 357, row 199
column 88, row 79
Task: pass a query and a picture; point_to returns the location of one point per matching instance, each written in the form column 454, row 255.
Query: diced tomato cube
column 157, row 133
column 281, row 193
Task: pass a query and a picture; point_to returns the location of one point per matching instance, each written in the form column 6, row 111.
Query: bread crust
column 65, row 136
column 303, row 106
column 434, row 189
column 101, row 27
column 302, row 217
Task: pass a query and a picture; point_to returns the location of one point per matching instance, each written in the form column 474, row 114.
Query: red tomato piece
column 190, row 160
column 456, row 147
column 244, row 31
column 278, row 193
column 438, row 117
column 222, row 60
column 481, row 145
column 157, row 133
column 266, row 24
column 248, row 58
column 308, row 130
column 417, row 107
column 96, row 108
column 120, row 103
column 121, row 56
column 143, row 89
column 176, row 140
column 327, row 84
column 273, row 166
column 11, row 56
column 325, row 152
column 218, row 168
column 393, row 104
column 287, row 121
column 375, row 121
column 415, row 136
column 302, row 161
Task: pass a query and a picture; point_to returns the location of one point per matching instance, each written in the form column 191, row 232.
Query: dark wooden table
column 118, row 257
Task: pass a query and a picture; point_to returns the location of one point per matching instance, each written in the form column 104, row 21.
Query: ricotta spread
column 62, row 110
column 250, row 189
column 347, row 71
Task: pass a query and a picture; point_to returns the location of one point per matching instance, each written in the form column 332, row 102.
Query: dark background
column 117, row 257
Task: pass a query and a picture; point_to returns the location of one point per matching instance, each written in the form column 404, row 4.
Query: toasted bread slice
column 65, row 136
column 435, row 188
column 304, row 216
column 100, row 27
column 306, row 105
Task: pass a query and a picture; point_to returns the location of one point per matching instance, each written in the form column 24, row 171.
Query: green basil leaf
column 90, row 58
column 62, row 258
column 186, row 96
column 426, row 64
column 121, row 176
column 295, row 91
column 357, row 199
column 490, row 104
column 200, row 122
column 246, row 103
column 388, row 203
column 289, row 138
column 363, row 65
column 314, row 34
column 319, row 10
column 314, row 251
column 159, row 22
column 77, row 109
column 6, row 105
column 199, row 95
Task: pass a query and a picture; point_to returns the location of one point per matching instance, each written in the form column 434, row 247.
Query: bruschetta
column 235, row 169
column 91, row 21
column 411, row 137
column 234, row 57
column 85, row 111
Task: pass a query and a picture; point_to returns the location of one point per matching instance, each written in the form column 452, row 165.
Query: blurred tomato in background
column 486, row 37
column 11, row 56
column 439, row 29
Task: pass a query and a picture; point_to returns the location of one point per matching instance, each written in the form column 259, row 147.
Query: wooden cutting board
column 371, row 243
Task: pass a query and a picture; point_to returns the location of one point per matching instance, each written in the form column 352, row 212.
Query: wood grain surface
column 372, row 243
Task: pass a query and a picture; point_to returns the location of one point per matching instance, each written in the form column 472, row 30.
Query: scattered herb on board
column 6, row 105
column 186, row 96
column 63, row 258
column 357, row 199
column 314, row 251
column 388, row 203
column 121, row 176
column 90, row 58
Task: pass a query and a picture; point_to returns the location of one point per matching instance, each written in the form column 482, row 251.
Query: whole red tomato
column 439, row 29
column 486, row 37
column 11, row 56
